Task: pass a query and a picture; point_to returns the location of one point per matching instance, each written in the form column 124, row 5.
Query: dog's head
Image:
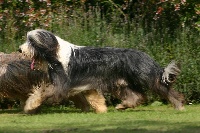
column 41, row 46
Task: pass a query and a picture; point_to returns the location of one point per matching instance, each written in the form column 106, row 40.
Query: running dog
column 33, row 87
column 125, row 73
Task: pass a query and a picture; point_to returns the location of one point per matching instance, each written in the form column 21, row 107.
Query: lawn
column 149, row 119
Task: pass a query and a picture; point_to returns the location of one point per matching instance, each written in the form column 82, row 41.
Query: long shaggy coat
column 125, row 73
column 31, row 87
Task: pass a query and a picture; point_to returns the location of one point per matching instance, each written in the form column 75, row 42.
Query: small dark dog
column 125, row 73
column 33, row 87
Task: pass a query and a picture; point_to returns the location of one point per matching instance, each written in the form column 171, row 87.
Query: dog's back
column 136, row 67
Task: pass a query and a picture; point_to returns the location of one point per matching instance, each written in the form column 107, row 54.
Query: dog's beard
column 27, row 50
column 36, row 61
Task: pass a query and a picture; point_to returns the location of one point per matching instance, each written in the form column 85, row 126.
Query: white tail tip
column 172, row 69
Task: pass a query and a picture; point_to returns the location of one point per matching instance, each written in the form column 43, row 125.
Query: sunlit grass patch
column 142, row 119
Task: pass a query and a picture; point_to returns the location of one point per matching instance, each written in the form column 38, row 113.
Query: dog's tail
column 170, row 72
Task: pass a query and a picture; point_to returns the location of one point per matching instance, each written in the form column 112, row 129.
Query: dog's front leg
column 39, row 95
column 96, row 100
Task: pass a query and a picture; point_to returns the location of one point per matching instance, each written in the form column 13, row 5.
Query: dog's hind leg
column 177, row 99
column 80, row 102
column 173, row 96
column 96, row 100
column 130, row 99
column 164, row 86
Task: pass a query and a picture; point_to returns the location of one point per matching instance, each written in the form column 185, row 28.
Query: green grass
column 142, row 119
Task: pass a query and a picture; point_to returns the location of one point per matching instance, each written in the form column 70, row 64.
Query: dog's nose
column 19, row 50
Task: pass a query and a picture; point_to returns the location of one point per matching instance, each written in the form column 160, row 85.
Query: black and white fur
column 125, row 73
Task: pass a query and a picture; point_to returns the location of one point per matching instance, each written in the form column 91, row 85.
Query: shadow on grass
column 43, row 110
column 11, row 111
column 147, row 126
column 139, row 126
column 52, row 110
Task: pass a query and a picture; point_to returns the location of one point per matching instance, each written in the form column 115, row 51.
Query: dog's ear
column 42, row 39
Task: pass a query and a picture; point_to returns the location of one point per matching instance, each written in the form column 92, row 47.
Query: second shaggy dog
column 33, row 87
